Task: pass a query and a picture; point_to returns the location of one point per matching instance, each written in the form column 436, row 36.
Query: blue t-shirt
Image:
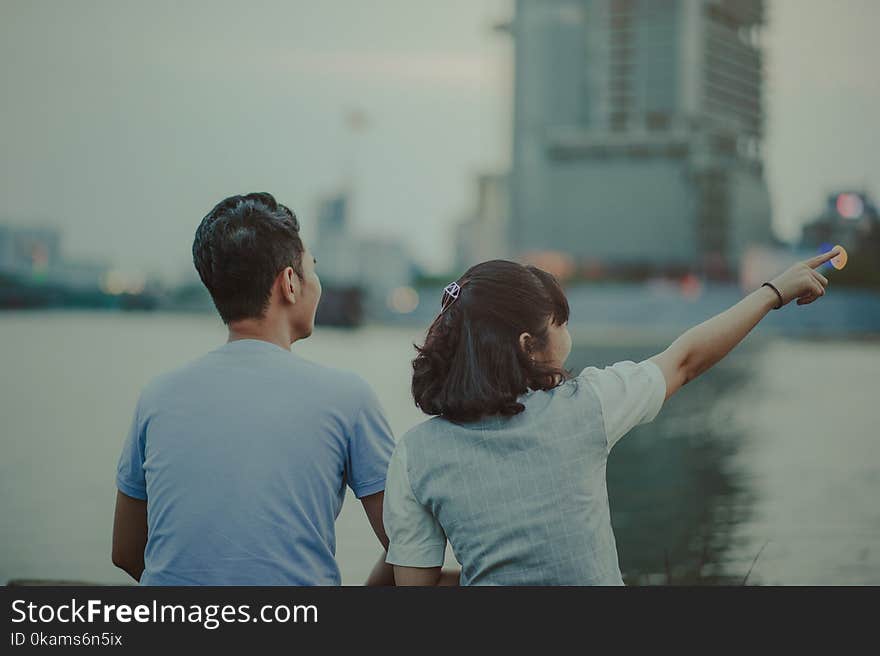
column 243, row 457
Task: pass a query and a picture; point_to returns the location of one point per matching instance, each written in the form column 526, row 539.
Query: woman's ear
column 525, row 343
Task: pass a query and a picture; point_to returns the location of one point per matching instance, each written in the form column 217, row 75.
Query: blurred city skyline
column 123, row 123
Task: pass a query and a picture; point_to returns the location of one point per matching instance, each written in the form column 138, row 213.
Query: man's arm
column 385, row 574
column 382, row 573
column 129, row 534
column 426, row 576
column 705, row 345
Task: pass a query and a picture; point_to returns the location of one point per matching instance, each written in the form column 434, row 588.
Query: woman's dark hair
column 472, row 364
column 239, row 249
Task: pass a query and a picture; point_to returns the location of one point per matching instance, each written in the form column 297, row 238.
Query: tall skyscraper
column 638, row 129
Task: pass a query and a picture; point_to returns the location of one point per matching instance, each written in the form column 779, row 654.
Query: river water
column 770, row 462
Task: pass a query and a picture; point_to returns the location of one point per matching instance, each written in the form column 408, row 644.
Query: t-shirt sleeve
column 369, row 450
column 630, row 394
column 415, row 537
column 130, row 479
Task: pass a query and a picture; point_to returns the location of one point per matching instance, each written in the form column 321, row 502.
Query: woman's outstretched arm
column 705, row 345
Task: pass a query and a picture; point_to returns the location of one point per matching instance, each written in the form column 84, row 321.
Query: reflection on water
column 675, row 499
column 766, row 466
column 776, row 449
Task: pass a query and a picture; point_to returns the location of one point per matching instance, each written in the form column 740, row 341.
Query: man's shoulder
column 171, row 379
column 340, row 381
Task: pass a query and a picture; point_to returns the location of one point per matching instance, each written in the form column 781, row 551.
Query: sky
column 124, row 122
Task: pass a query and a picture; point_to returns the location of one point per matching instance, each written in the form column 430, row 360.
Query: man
column 235, row 467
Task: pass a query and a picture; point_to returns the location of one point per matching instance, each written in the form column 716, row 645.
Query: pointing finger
column 821, row 259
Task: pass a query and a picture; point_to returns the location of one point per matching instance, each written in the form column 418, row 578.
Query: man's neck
column 263, row 330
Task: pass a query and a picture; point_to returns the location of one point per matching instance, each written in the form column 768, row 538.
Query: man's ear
column 289, row 285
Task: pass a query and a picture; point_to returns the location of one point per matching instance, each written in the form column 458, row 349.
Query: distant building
column 336, row 247
column 29, row 251
column 376, row 265
column 33, row 254
column 638, row 131
column 80, row 274
column 850, row 219
column 483, row 234
column 385, row 266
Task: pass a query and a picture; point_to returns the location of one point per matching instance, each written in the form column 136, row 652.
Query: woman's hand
column 802, row 281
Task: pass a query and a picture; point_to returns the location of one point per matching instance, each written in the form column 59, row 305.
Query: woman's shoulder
column 623, row 378
column 424, row 441
column 578, row 388
column 426, row 429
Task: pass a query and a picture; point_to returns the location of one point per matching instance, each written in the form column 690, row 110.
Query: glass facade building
column 638, row 128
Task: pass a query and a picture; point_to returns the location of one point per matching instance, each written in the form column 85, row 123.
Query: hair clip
column 450, row 294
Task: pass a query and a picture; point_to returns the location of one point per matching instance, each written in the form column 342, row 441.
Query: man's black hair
column 239, row 249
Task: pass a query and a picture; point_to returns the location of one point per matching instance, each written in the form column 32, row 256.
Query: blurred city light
column 117, row 282
column 850, row 206
column 561, row 265
column 403, row 300
column 691, row 287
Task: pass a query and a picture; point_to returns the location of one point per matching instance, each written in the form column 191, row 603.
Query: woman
column 511, row 468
